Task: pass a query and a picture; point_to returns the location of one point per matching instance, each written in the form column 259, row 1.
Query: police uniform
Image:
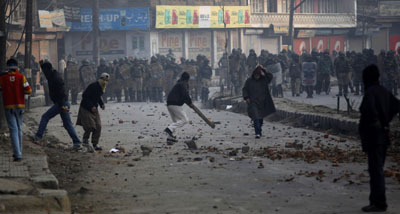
column 223, row 73
column 155, row 77
column 72, row 80
column 325, row 70
column 342, row 68
column 104, row 68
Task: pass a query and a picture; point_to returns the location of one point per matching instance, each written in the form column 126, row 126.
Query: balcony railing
column 309, row 20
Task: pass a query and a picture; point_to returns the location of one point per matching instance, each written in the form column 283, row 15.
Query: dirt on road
column 289, row 170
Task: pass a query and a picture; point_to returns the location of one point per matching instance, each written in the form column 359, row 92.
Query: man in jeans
column 14, row 87
column 61, row 105
column 178, row 96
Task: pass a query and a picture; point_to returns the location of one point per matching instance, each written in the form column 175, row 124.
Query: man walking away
column 14, row 87
column 178, row 96
column 61, row 106
column 88, row 116
column 259, row 101
column 377, row 109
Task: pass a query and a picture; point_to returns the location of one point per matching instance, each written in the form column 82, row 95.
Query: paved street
column 288, row 170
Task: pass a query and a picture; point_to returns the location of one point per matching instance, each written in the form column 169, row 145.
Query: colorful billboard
column 113, row 19
column 202, row 16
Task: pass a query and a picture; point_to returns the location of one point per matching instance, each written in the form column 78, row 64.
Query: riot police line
column 309, row 72
column 138, row 80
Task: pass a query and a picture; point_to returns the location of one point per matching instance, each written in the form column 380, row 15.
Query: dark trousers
column 323, row 83
column 309, row 89
column 376, row 162
column 258, row 126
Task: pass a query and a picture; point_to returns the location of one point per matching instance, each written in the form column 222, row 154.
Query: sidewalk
column 29, row 186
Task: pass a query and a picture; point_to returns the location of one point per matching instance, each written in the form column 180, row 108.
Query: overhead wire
column 13, row 10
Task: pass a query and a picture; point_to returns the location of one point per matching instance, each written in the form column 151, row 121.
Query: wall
column 355, row 44
column 259, row 42
column 379, row 40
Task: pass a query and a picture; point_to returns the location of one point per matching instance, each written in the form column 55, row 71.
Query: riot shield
column 309, row 74
column 88, row 75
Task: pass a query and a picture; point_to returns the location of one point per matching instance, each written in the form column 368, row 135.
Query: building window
column 307, row 7
column 138, row 43
column 272, row 6
column 285, row 6
column 257, row 6
column 327, row 6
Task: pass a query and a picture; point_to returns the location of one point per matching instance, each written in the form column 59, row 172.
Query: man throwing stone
column 61, row 106
column 88, row 115
column 178, row 96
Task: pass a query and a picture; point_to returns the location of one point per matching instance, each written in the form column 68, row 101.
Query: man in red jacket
column 14, row 87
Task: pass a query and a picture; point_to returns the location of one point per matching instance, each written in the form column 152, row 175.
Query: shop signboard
column 111, row 45
column 202, row 16
column 112, row 19
column 389, row 8
column 50, row 19
column 306, row 33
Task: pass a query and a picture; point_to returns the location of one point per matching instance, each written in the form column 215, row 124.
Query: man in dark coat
column 259, row 101
column 377, row 109
column 178, row 96
column 61, row 105
column 88, row 115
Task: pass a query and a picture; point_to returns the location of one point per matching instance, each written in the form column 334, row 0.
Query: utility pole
column 291, row 27
column 3, row 46
column 28, row 40
column 3, row 39
column 95, row 31
column 226, row 51
column 28, row 45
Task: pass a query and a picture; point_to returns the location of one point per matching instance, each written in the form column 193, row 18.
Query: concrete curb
column 336, row 122
column 34, row 189
column 37, row 101
column 41, row 201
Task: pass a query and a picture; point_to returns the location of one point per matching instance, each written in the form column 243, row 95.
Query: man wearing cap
column 14, row 87
column 88, row 115
column 178, row 96
column 259, row 100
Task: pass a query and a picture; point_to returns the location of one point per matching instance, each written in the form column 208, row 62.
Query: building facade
column 378, row 25
column 319, row 24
